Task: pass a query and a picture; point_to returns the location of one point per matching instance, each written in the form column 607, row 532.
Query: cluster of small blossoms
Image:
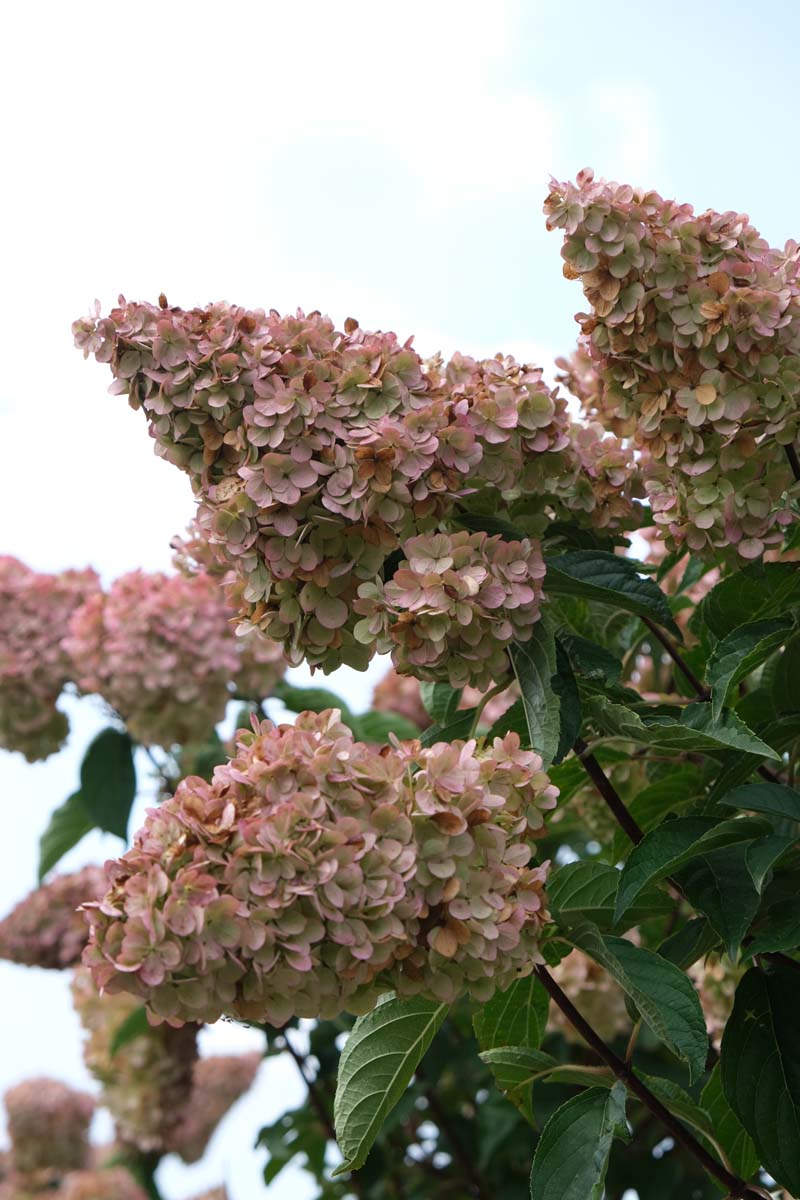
column 316, row 453
column 147, row 1082
column 401, row 694
column 315, row 873
column 48, row 1125
column 595, row 995
column 34, row 611
column 453, row 606
column 158, row 648
column 596, row 479
column 217, row 1083
column 694, row 332
column 111, row 1183
column 46, row 929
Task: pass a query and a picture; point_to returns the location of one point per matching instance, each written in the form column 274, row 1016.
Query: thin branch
column 794, row 461
column 672, row 650
column 607, row 790
column 461, row 1152
column 736, row 1187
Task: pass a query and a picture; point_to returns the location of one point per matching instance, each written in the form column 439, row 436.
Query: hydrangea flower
column 160, row 651
column 316, row 872
column 694, row 334
column 217, row 1083
column 47, row 928
column 454, row 604
column 147, row 1082
column 110, row 1183
column 48, row 1124
column 34, row 611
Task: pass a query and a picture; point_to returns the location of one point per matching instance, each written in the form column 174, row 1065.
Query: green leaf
column 672, row 793
column 534, row 665
column 739, row 653
column 738, row 1147
column 760, row 1065
column 458, row 728
column 571, row 1156
column 569, row 703
column 134, row 1026
column 786, row 680
column 590, row 660
column 108, row 781
column 692, row 941
column 440, row 700
column 597, row 575
column 586, row 891
column 663, row 995
column 68, row 824
column 515, row 1068
column 665, row 849
column 485, row 523
column 721, row 886
column 761, row 856
column 515, row 1017
column 695, row 730
column 310, row 699
column 756, row 592
column 375, row 727
column 779, row 929
column 767, row 798
column 513, row 720
column 381, row 1055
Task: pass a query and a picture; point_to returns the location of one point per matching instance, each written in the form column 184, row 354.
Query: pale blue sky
column 383, row 160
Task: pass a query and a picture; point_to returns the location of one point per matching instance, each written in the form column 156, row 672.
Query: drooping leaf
column 515, row 1068
column 380, row 1056
column 68, row 824
column 587, row 890
column 514, row 1017
column 762, row 855
column 108, row 781
column 440, row 700
column 668, row 847
column 663, row 995
column 610, row 579
column 134, row 1026
column 571, row 1156
column 760, row 1065
column 720, row 885
column 739, row 653
column 695, row 730
column 773, row 798
column 738, row 1146
column 534, row 665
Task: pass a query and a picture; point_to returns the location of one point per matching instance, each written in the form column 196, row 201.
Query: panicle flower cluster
column 217, row 1083
column 146, row 1082
column 315, row 453
column 694, row 333
column 595, row 479
column 110, row 1183
column 595, row 995
column 48, row 1125
column 316, row 872
column 34, row 611
column 47, row 928
column 453, row 606
column 158, row 648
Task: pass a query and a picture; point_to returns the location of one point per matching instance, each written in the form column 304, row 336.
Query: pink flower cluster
column 110, row 1183
column 48, row 1124
column 147, row 1082
column 315, row 453
column 454, row 604
column 159, row 650
column 46, row 929
column 694, row 333
column 316, row 872
column 34, row 611
column 217, row 1083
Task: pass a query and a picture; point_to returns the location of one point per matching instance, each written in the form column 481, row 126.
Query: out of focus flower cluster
column 693, row 346
column 454, row 605
column 46, row 929
column 401, row 694
column 34, row 611
column 147, row 1081
column 315, row 453
column 217, row 1083
column 715, row 979
column 595, row 995
column 48, row 1124
column 316, row 872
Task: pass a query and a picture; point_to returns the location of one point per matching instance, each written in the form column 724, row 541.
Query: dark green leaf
column 586, row 891
column 671, row 794
column 534, row 665
column 485, row 523
column 589, row 659
column 779, row 929
column 596, row 575
column 515, row 1017
column 68, row 824
column 515, row 1068
column 720, row 885
column 738, row 1147
column 440, row 700
column 786, row 680
column 695, row 730
column 758, row 591
column 513, row 720
column 134, row 1026
column 663, row 995
column 459, row 728
column 667, row 848
column 376, row 726
column 772, row 798
column 310, row 699
column 761, row 856
column 692, row 941
column 569, row 701
column 739, row 653
column 108, row 781
column 571, row 1157
column 379, row 1059
column 760, row 1065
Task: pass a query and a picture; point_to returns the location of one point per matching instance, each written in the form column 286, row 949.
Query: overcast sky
column 382, row 160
